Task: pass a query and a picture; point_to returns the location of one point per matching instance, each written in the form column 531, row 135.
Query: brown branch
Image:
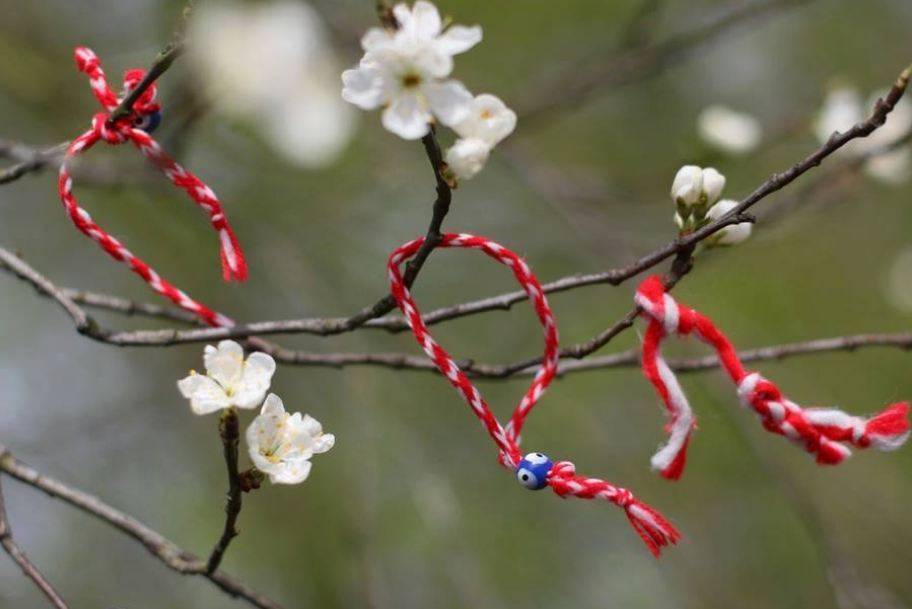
column 386, row 304
column 624, row 359
column 230, row 434
column 18, row 267
column 161, row 64
column 128, row 307
column 35, row 159
column 29, row 159
column 19, row 557
column 168, row 552
column 405, row 361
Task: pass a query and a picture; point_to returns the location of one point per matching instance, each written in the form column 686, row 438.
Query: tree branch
column 230, row 434
column 19, row 557
column 30, row 159
column 161, row 64
column 168, row 552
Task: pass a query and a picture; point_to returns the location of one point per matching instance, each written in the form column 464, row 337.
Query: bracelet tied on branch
column 534, row 470
column 135, row 126
column 824, row 432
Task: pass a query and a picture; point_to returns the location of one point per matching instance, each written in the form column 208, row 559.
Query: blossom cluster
column 696, row 192
column 406, row 71
column 280, row 444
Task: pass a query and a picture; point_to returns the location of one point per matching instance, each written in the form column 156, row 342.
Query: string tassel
column 827, row 433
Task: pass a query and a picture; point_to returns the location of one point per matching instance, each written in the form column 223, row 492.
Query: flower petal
column 458, row 39
column 406, row 118
column 323, row 443
column 273, row 406
column 403, row 15
column 254, row 382
column 224, row 364
column 425, row 20
column 311, row 426
column 205, row 395
column 363, row 87
column 450, row 101
column 375, row 39
column 293, row 472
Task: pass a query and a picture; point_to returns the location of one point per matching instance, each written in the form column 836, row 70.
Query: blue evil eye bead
column 533, row 471
column 148, row 122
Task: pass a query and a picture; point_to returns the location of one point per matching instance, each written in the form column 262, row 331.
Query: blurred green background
column 410, row 508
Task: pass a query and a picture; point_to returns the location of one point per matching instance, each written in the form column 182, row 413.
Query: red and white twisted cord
column 650, row 525
column 122, row 130
column 824, row 432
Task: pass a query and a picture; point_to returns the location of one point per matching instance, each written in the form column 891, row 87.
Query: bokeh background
column 410, row 508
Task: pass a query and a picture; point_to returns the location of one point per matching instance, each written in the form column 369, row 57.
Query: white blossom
column 694, row 185
column 467, row 157
column 230, row 380
column 489, row 120
column 733, row 233
column 272, row 64
column 403, row 71
column 728, row 130
column 281, row 444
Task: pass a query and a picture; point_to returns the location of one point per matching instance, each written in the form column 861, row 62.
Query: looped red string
column 655, row 531
column 127, row 129
column 824, row 432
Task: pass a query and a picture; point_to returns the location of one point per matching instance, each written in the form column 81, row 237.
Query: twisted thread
column 234, row 266
column 826, row 433
column 655, row 531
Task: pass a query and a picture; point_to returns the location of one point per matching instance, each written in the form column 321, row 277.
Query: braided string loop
column 655, row 531
column 130, row 129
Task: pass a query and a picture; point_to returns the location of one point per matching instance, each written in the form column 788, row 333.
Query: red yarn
column 122, row 130
column 655, row 531
column 824, row 432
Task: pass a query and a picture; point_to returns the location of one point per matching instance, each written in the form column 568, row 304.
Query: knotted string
column 130, row 128
column 655, row 531
column 823, row 432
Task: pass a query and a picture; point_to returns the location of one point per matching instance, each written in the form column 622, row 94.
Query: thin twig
column 35, row 159
column 30, row 159
column 19, row 557
column 161, row 64
column 168, row 552
column 387, row 303
column 230, row 434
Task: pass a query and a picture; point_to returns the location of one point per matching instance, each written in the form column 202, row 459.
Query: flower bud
column 733, row 233
column 467, row 157
column 687, row 185
column 713, row 183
